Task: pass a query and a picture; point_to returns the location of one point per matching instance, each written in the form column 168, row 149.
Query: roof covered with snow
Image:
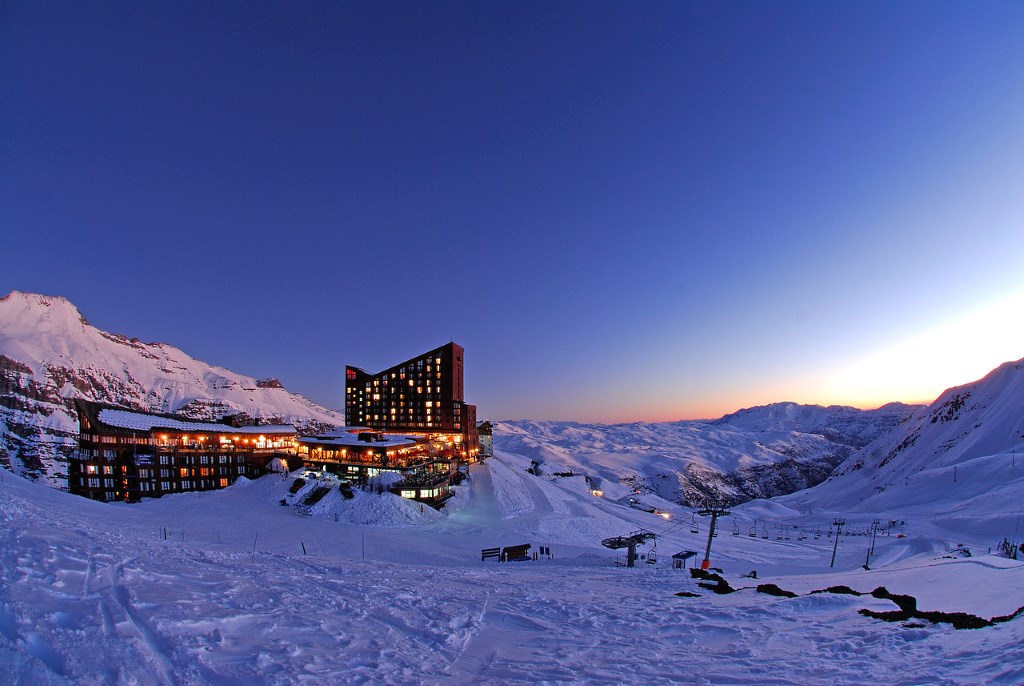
column 347, row 440
column 140, row 421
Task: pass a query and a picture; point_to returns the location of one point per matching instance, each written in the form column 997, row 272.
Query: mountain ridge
column 973, row 427
column 50, row 355
column 754, row 453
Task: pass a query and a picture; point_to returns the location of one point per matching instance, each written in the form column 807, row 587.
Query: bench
column 488, row 553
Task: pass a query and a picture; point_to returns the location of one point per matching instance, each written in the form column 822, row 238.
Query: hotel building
column 422, row 397
column 409, row 419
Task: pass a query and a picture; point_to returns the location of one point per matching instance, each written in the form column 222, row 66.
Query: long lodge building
column 127, row 455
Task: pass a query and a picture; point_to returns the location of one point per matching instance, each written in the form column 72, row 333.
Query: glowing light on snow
column 920, row 368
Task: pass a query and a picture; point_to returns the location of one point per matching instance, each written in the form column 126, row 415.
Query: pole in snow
column 871, row 543
column 715, row 510
column 838, row 524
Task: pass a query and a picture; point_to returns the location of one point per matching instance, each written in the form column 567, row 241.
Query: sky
column 622, row 210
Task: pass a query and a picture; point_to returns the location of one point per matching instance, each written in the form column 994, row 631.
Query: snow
column 388, row 441
column 146, row 422
column 232, row 587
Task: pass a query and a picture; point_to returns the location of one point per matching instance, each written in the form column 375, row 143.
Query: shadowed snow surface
column 215, row 588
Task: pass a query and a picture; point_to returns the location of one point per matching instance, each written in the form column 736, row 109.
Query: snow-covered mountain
column 759, row 452
column 50, row 355
column 969, row 441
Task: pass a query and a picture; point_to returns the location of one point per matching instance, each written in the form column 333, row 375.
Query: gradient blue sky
column 623, row 210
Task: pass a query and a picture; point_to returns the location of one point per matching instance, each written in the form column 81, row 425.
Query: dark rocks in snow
column 773, row 589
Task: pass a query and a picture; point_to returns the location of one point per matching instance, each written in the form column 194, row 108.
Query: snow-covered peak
column 50, row 355
column 968, row 428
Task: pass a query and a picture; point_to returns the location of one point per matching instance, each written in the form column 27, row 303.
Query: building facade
column 486, row 431
column 422, row 396
column 423, row 468
column 124, row 455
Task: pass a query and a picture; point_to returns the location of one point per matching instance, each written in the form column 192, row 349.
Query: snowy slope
column 968, row 442
column 229, row 587
column 50, row 355
column 754, row 453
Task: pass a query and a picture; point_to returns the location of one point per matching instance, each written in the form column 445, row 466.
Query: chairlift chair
column 764, row 531
column 753, row 532
column 735, row 528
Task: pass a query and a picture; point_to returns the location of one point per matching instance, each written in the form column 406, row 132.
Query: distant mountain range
column 759, row 452
column 50, row 355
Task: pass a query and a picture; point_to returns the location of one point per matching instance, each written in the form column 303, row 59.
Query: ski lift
column 652, row 554
column 830, row 533
column 694, row 529
column 764, row 532
column 787, row 534
column 817, row 533
column 753, row 532
column 778, row 532
column 802, row 536
column 735, row 528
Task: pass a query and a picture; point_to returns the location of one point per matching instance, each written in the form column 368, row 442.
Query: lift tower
column 715, row 509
